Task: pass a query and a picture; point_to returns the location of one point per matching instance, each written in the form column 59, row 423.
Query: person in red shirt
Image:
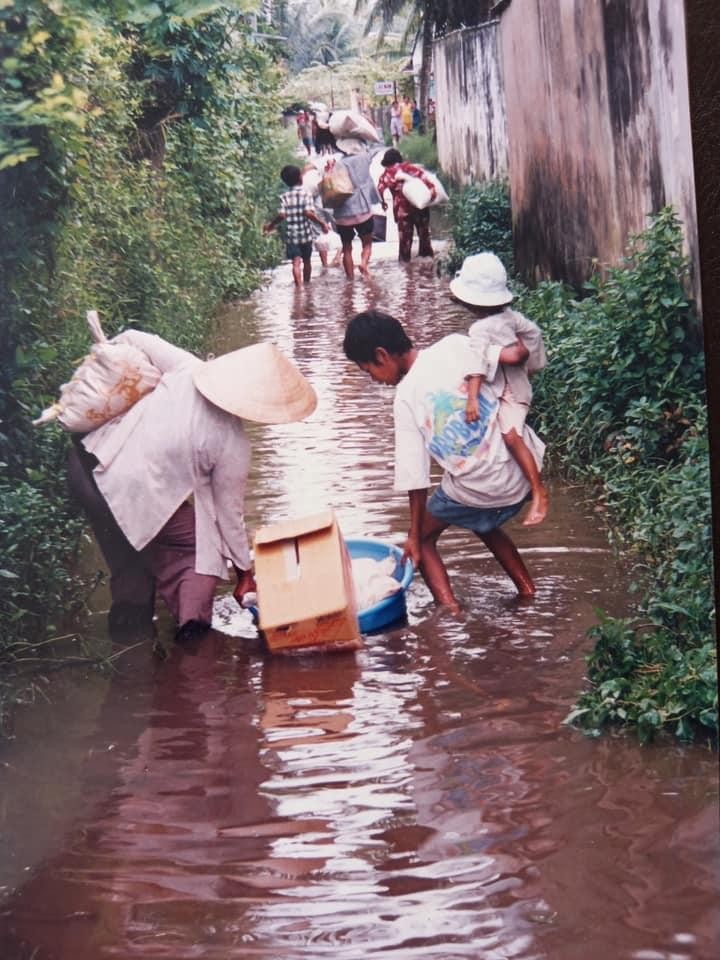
column 407, row 217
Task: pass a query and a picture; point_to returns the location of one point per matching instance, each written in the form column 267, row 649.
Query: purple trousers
column 165, row 565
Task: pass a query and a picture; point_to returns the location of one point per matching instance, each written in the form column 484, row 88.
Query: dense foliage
column 137, row 165
column 481, row 219
column 622, row 403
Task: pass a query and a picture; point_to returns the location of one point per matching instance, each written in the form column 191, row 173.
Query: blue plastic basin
column 392, row 608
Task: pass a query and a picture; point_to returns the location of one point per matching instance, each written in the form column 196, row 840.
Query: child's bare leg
column 525, row 460
column 297, row 271
column 307, row 270
column 323, row 257
column 432, row 568
column 347, row 259
column 505, row 552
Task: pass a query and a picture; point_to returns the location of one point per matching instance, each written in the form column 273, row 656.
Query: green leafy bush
column 137, row 166
column 481, row 220
column 622, row 404
column 419, row 148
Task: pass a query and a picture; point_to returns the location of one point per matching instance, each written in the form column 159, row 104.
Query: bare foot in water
column 362, row 267
column 538, row 508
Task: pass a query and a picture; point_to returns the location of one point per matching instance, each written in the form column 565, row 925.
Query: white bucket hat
column 481, row 281
column 256, row 383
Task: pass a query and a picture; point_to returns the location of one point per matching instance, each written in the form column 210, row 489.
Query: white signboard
column 384, row 87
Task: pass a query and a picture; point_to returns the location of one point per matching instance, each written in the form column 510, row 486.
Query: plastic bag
column 329, row 241
column 110, row 380
column 336, row 186
column 350, row 123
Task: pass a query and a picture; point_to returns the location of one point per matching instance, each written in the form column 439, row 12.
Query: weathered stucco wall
column 598, row 128
column 471, row 134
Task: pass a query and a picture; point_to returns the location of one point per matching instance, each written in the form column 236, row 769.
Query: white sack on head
column 350, row 123
column 110, row 380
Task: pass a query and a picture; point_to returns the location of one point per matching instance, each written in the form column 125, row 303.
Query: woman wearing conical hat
column 163, row 485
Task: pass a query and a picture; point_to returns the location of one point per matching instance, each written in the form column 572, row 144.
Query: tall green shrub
column 622, row 405
column 137, row 165
column 481, row 220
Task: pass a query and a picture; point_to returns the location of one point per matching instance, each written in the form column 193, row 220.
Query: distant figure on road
column 324, row 140
column 416, row 117
column 304, row 129
column 406, row 113
column 396, row 124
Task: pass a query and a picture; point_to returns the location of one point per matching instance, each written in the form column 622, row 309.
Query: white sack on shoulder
column 415, row 191
column 110, row 380
column 374, row 580
column 418, row 193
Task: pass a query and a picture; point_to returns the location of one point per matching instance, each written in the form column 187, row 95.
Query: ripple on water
column 420, row 799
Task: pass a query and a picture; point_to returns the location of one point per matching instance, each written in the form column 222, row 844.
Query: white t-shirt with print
column 429, row 411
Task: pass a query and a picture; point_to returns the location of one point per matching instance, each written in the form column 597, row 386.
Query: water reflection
column 418, row 799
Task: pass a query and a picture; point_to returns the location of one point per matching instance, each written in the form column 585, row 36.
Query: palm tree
column 419, row 24
column 426, row 19
column 323, row 34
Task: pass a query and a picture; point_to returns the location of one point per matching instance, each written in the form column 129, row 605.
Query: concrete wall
column 598, row 127
column 470, row 114
column 594, row 95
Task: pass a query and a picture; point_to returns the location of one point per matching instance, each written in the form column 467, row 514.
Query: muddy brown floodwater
column 418, row 799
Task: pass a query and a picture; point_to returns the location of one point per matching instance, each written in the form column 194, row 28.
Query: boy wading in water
column 297, row 209
column 482, row 485
column 481, row 284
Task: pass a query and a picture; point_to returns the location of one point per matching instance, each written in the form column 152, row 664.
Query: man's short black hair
column 391, row 157
column 372, row 329
column 291, row 175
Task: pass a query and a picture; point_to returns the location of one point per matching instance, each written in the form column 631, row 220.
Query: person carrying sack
column 407, row 216
column 355, row 215
column 163, row 485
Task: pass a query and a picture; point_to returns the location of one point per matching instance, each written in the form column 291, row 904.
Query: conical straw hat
column 257, row 383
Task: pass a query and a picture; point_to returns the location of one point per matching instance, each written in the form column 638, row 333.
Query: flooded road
column 418, row 799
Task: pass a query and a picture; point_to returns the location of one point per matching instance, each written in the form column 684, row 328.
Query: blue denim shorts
column 302, row 250
column 478, row 519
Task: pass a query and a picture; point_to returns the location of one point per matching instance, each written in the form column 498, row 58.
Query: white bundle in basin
column 112, row 378
column 374, row 580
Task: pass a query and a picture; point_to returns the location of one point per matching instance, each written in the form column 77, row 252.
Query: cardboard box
column 305, row 587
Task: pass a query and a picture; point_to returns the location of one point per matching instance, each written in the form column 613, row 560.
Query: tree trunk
column 425, row 70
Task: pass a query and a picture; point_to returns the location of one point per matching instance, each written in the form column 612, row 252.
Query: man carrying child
column 482, row 485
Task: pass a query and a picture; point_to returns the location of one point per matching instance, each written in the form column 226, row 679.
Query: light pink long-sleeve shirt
column 501, row 330
column 170, row 444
